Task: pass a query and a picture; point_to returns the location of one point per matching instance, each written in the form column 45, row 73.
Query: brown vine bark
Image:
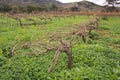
column 62, row 47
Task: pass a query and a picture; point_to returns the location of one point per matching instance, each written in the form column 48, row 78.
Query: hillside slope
column 82, row 5
column 85, row 6
column 13, row 2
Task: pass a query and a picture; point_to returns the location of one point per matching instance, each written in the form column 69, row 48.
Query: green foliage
column 95, row 35
column 30, row 8
column 3, row 60
column 53, row 7
column 104, row 28
column 94, row 60
column 5, row 8
column 6, row 51
column 89, row 62
column 0, row 51
column 74, row 9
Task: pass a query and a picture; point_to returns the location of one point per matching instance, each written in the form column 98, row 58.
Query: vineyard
column 55, row 46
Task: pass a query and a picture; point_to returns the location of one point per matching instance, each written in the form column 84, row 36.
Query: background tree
column 74, row 8
column 112, row 4
column 53, row 7
column 5, row 8
column 31, row 8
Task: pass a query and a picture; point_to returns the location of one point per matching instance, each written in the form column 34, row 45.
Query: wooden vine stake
column 62, row 47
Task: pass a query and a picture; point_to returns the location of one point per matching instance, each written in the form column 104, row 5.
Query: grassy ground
column 97, row 59
column 10, row 32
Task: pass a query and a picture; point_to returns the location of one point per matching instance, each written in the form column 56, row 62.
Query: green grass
column 12, row 35
column 16, row 33
column 98, row 59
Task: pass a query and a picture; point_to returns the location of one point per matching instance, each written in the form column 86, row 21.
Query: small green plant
column 104, row 28
column 97, row 59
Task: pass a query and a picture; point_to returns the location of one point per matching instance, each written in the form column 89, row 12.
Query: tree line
column 28, row 8
column 110, row 6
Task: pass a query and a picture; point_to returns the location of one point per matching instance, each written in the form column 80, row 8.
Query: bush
column 30, row 8
column 5, row 8
column 73, row 9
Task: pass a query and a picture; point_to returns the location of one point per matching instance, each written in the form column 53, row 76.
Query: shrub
column 5, row 8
